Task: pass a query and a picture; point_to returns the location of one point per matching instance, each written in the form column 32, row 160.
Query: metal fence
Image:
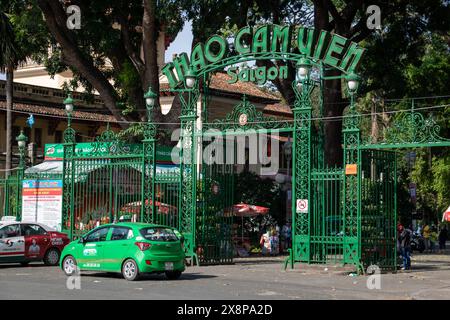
column 215, row 214
column 10, row 196
column 327, row 219
column 378, row 209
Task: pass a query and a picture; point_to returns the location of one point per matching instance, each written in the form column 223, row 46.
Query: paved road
column 260, row 278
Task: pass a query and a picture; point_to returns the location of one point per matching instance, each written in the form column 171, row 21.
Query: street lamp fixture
column 190, row 78
column 21, row 141
column 352, row 82
column 68, row 105
column 304, row 66
column 150, row 98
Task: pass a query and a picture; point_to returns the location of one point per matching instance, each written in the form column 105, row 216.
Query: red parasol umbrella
column 247, row 210
column 446, row 215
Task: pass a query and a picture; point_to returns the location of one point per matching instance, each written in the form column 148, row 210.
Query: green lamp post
column 22, row 143
column 352, row 86
column 150, row 100
column 304, row 66
column 68, row 105
column 352, row 82
column 190, row 78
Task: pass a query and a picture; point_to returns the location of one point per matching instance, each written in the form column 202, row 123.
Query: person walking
column 443, row 237
column 286, row 233
column 404, row 239
column 265, row 243
column 433, row 238
column 426, row 237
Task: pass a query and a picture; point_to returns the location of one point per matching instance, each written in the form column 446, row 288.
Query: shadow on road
column 146, row 277
column 18, row 266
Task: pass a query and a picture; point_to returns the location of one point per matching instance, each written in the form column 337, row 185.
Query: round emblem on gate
column 243, row 119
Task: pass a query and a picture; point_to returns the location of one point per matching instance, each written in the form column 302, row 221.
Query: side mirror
column 82, row 240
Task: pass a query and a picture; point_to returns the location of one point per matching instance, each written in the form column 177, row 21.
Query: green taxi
column 128, row 248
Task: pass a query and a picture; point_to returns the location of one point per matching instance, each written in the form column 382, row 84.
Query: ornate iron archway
column 191, row 78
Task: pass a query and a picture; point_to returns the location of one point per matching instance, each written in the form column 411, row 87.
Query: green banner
column 55, row 151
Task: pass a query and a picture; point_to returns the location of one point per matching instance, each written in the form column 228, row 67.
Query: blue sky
column 182, row 42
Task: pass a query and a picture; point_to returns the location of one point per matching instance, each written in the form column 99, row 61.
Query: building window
column 38, row 137
column 58, row 136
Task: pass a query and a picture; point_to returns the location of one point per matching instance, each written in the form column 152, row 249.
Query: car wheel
column 173, row 275
column 69, row 265
column 130, row 270
column 51, row 257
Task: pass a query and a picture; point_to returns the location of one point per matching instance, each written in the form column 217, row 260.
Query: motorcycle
column 417, row 242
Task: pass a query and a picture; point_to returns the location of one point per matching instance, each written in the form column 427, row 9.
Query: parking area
column 251, row 278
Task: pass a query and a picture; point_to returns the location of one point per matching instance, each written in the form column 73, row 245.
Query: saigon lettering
column 332, row 49
column 258, row 75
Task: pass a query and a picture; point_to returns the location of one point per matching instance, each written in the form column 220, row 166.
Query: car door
column 117, row 247
column 12, row 243
column 37, row 241
column 92, row 255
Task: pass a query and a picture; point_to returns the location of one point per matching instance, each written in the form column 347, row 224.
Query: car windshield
column 158, row 234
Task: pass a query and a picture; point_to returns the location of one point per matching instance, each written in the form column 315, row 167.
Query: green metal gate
column 378, row 208
column 214, row 226
column 327, row 220
column 105, row 188
column 10, row 196
column 214, row 223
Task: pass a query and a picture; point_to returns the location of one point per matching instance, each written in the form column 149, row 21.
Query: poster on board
column 42, row 202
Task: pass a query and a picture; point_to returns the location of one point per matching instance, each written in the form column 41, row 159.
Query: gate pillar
column 351, row 190
column 301, row 184
column 149, row 162
column 68, row 214
column 188, row 171
column 148, row 173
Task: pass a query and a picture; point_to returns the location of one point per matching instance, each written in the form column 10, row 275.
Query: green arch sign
column 267, row 42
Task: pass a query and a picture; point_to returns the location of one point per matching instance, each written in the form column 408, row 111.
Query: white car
column 24, row 242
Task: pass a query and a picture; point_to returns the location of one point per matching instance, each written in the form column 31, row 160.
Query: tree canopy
column 115, row 53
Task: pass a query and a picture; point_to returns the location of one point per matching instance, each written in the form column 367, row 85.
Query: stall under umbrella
column 246, row 210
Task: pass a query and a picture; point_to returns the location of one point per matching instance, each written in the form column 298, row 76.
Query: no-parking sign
column 302, row 205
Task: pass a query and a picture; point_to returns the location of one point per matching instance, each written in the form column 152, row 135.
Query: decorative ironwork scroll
column 188, row 170
column 245, row 116
column 68, row 181
column 410, row 129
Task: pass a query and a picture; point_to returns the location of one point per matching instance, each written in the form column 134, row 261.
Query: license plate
column 169, row 265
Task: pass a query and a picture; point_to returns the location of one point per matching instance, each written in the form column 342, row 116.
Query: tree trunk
column 332, row 97
column 149, row 41
column 9, row 107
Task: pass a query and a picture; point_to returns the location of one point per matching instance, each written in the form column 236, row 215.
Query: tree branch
column 333, row 11
column 55, row 19
column 131, row 51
